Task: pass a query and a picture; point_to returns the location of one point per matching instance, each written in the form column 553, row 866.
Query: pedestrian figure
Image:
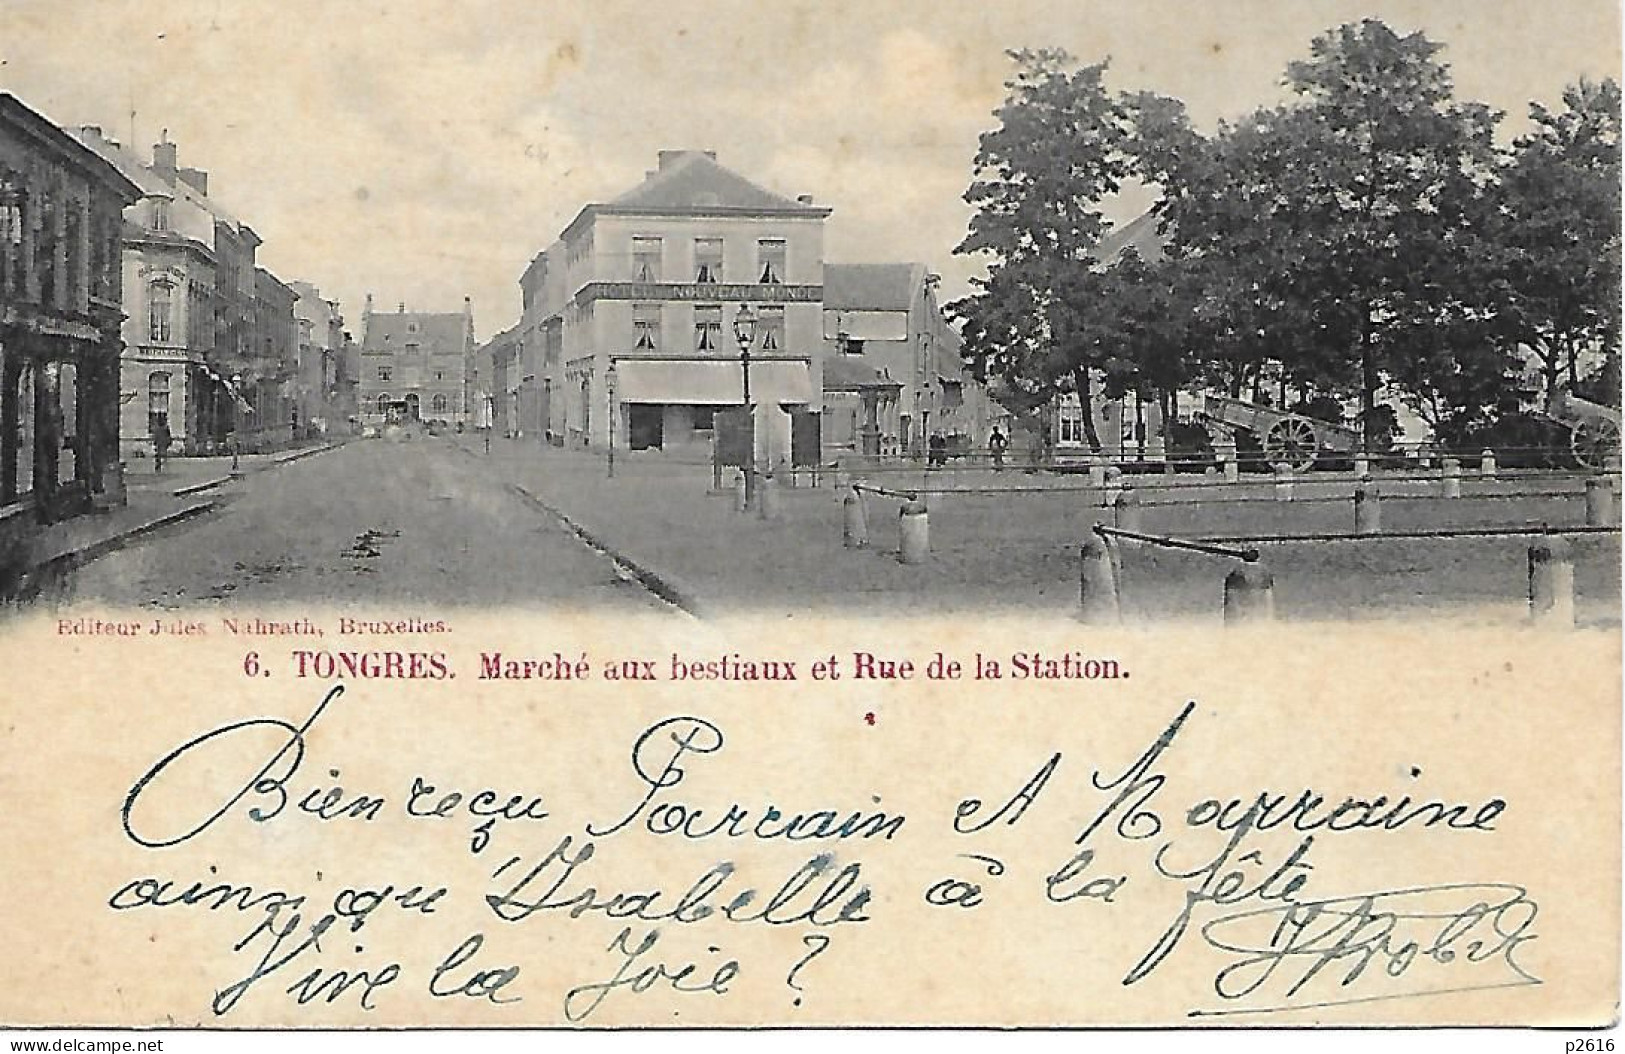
column 997, row 444
column 160, row 446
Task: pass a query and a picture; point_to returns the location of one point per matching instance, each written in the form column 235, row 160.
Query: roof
column 691, row 182
column 446, row 330
column 50, row 136
column 151, row 184
column 872, row 287
column 1140, row 234
column 849, row 373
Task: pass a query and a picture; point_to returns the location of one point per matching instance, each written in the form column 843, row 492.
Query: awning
column 713, row 383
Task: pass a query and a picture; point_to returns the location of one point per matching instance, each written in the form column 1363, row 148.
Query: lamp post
column 609, row 380
column 745, row 334
column 236, row 418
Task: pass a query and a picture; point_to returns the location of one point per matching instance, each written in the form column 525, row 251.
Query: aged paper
column 485, row 762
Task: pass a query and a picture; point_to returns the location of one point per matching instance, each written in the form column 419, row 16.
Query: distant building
column 61, row 212
column 494, row 381
column 416, row 366
column 319, row 376
column 271, row 388
column 894, row 374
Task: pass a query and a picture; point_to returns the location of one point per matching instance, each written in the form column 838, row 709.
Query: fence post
column 1127, row 509
column 1450, row 478
column 1551, row 582
column 1097, row 471
column 1367, row 509
column 1232, row 468
column 1599, row 501
column 1362, row 466
column 1249, row 594
column 1486, row 463
column 1097, row 582
column 741, row 504
column 1283, row 482
column 767, row 498
column 914, row 527
column 855, row 525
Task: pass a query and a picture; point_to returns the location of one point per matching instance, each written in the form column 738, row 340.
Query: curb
column 73, row 558
column 660, row 585
column 198, row 488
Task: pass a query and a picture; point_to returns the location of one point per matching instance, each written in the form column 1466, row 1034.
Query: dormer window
column 708, row 260
column 160, row 215
column 770, row 253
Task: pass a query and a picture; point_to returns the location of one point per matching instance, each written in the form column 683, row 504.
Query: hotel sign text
column 701, row 291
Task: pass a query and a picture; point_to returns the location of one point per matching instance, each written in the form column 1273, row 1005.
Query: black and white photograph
column 999, row 381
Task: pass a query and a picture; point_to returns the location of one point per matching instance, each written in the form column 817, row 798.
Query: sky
column 424, row 152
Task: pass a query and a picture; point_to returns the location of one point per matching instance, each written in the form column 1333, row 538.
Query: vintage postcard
column 812, row 515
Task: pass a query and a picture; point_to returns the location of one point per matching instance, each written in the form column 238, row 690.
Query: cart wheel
column 1292, row 442
column 1595, row 443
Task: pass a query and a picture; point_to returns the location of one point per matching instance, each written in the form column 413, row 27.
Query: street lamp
column 236, row 418
column 609, row 380
column 745, row 334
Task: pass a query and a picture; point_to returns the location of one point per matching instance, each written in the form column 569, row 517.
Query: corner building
column 650, row 284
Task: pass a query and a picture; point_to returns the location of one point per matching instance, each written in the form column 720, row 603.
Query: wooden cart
column 1593, row 429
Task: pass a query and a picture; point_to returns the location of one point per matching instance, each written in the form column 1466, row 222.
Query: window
column 158, row 395
column 646, row 327
column 160, row 215
column 707, row 259
column 772, row 324
column 411, row 327
column 646, row 261
column 385, row 373
column 707, row 327
column 770, row 260
column 438, row 403
column 1070, row 422
column 383, row 403
column 849, row 346
column 413, row 349
column 705, row 418
column 11, row 233
column 159, row 307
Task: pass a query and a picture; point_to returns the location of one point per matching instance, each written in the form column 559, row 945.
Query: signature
column 1392, row 944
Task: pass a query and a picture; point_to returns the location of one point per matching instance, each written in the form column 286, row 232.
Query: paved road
column 369, row 521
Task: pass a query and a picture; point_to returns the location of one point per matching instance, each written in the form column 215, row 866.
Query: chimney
column 196, row 178
column 402, row 309
column 90, row 133
column 163, row 158
column 804, row 199
column 367, row 307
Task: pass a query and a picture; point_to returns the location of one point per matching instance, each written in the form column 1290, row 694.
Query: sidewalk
column 183, row 490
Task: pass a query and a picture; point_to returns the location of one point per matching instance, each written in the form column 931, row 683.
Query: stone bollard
column 767, row 498
column 1450, row 478
column 1097, row 582
column 1283, row 482
column 1127, row 510
column 1097, row 472
column 741, row 498
column 1486, row 464
column 855, row 522
column 1367, row 509
column 1551, row 583
column 1599, row 502
column 1249, row 594
column 1232, row 470
column 1362, row 466
column 914, row 526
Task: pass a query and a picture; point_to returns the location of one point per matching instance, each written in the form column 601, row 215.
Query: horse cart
column 1285, row 438
column 1593, row 429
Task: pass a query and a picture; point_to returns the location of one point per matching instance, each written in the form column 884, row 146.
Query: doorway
column 645, row 426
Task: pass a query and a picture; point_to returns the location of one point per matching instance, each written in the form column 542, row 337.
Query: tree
column 1558, row 231
column 1037, row 184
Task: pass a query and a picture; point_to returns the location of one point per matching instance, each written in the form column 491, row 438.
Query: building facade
column 319, row 408
column 417, row 366
column 209, row 337
column 634, row 308
column 61, row 215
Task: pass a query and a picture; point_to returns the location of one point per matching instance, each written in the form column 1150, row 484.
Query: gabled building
column 894, row 375
column 416, row 366
column 61, row 217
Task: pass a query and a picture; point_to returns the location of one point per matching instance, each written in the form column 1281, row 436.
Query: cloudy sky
column 425, row 151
